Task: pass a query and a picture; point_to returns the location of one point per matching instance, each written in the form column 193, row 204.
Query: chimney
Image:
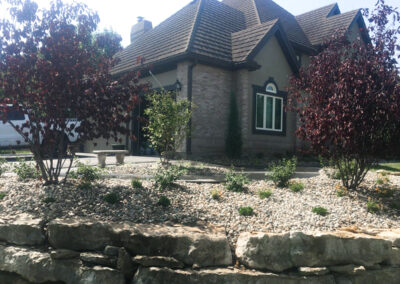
column 140, row 28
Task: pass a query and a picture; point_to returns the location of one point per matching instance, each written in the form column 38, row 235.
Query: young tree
column 233, row 143
column 348, row 99
column 168, row 122
column 52, row 69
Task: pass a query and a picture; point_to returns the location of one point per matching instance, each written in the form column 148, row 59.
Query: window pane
column 260, row 112
column 278, row 114
column 269, row 112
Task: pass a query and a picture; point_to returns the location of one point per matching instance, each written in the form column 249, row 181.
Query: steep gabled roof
column 168, row 39
column 244, row 42
column 322, row 23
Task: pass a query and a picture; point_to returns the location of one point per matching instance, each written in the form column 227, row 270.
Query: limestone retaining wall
column 75, row 251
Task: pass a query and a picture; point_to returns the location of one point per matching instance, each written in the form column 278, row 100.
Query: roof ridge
column 256, row 10
column 195, row 24
column 320, row 8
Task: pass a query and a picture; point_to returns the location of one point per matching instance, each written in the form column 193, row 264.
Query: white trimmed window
column 269, row 110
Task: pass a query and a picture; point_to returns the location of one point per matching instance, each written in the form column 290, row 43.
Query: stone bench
column 102, row 154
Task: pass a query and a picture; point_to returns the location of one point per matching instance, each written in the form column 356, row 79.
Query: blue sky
column 120, row 15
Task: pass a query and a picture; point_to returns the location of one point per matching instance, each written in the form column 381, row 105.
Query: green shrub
column 48, row 200
column 380, row 181
column 373, row 206
column 26, row 171
column 384, row 191
column 165, row 177
column 111, row 198
column 342, row 191
column 136, row 183
column 164, row 201
column 233, row 143
column 246, row 211
column 395, row 205
column 2, row 195
column 2, row 167
column 296, row 186
column 235, row 182
column 216, row 194
column 265, row 194
column 282, row 171
column 86, row 173
column 168, row 121
column 320, row 211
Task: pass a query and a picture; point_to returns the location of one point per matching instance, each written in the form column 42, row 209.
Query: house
column 211, row 48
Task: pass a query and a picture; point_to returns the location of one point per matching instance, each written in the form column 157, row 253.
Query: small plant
column 265, row 194
column 236, row 182
column 395, row 205
column 341, row 191
column 373, row 206
column 164, row 201
column 111, row 198
column 320, row 211
column 380, row 181
column 246, row 211
column 384, row 191
column 48, row 200
column 2, row 195
column 26, row 171
column 296, row 186
column 216, row 194
column 282, row 171
column 136, row 183
column 2, row 167
column 165, row 177
column 86, row 173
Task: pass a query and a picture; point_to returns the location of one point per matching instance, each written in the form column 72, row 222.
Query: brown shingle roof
column 318, row 26
column 226, row 32
column 243, row 42
column 269, row 10
column 168, row 39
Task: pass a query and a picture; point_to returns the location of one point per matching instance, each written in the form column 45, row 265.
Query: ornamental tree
column 53, row 69
column 348, row 99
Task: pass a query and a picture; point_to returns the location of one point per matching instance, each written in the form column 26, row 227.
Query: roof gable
column 322, row 23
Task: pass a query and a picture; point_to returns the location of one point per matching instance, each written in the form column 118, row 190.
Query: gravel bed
column 190, row 203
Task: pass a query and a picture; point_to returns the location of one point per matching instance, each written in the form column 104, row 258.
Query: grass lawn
column 15, row 151
column 392, row 167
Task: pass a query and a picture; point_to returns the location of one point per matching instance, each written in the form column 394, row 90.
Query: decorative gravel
column 190, row 203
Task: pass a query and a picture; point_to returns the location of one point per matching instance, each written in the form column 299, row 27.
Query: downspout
column 189, row 98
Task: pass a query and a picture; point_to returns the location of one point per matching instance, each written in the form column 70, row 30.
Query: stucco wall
column 273, row 65
column 165, row 79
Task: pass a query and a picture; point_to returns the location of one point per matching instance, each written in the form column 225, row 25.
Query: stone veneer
column 88, row 251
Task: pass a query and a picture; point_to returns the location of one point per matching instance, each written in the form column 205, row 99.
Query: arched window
column 271, row 88
column 269, row 109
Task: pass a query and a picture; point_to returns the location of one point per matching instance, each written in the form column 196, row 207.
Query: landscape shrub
column 168, row 122
column 111, row 198
column 263, row 194
column 320, row 211
column 395, row 205
column 235, row 181
column 166, row 176
column 282, row 171
column 341, row 191
column 48, row 200
column 26, row 171
column 246, row 211
column 2, row 166
column 86, row 175
column 296, row 186
column 373, row 206
column 164, row 201
column 216, row 194
column 2, row 195
column 136, row 183
column 233, row 143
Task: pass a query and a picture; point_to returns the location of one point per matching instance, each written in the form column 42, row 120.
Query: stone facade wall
column 211, row 94
column 86, row 251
